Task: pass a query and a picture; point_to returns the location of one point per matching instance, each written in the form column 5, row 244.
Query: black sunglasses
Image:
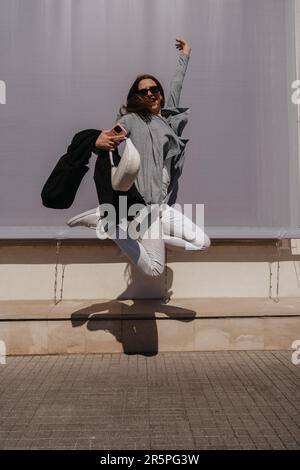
column 144, row 91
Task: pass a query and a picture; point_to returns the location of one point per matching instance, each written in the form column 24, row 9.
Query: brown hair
column 134, row 104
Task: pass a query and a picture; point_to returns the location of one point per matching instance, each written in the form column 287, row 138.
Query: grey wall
column 68, row 66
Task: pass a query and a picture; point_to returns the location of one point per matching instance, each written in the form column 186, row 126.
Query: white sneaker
column 88, row 219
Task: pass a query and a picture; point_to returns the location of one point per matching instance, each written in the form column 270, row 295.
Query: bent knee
column 202, row 243
column 207, row 242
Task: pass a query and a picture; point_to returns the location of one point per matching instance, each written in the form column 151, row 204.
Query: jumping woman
column 155, row 128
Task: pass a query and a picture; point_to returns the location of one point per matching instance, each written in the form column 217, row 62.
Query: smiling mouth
column 152, row 102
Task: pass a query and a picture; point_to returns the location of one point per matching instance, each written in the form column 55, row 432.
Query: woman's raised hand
column 108, row 142
column 183, row 46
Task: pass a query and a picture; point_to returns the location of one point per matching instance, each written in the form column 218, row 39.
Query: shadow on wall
column 138, row 334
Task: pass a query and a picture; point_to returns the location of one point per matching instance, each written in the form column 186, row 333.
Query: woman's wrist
column 187, row 51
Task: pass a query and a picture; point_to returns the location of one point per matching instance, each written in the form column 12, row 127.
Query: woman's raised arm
column 177, row 80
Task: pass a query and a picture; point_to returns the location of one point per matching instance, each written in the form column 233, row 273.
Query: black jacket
column 60, row 188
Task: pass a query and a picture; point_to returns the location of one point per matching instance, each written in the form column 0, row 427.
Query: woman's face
column 152, row 98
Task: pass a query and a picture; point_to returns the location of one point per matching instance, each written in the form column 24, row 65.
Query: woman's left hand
column 183, row 46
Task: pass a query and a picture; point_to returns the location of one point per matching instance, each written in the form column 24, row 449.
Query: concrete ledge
column 101, row 326
column 37, row 310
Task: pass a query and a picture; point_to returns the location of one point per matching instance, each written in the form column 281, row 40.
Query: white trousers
column 170, row 228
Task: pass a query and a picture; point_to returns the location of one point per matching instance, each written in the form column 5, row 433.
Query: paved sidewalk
column 199, row 400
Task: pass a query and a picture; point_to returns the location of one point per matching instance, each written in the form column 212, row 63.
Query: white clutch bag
column 123, row 175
